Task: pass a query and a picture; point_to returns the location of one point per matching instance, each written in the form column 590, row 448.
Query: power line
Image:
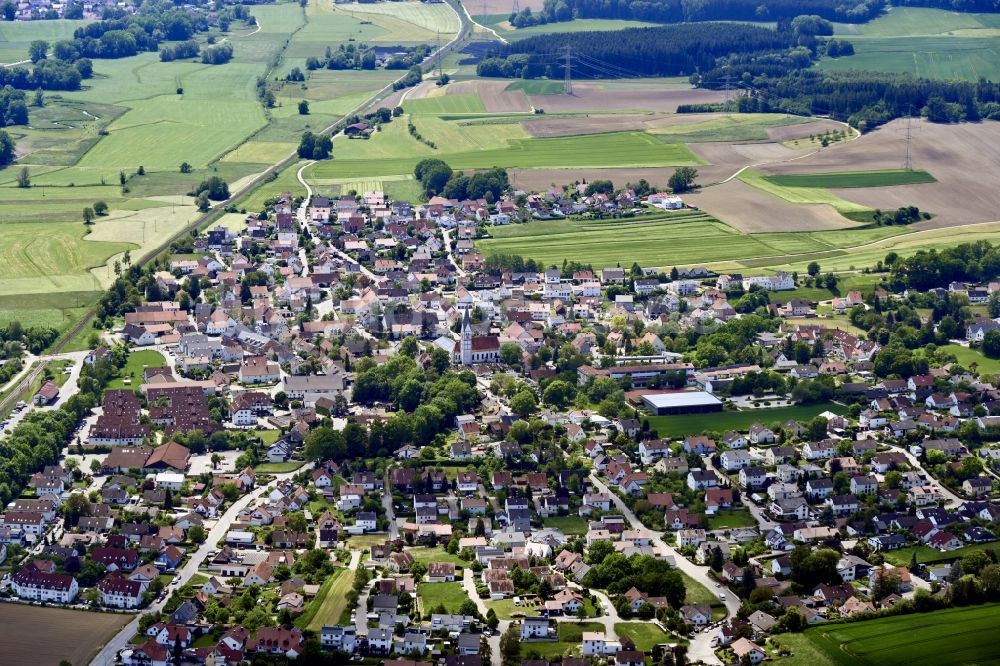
column 568, row 70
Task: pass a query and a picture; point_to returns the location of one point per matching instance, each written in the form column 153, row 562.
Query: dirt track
column 963, row 158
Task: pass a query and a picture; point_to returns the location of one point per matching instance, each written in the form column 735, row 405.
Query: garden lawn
column 425, row 555
column 505, row 608
column 645, row 635
column 278, row 468
column 570, row 636
column 450, row 595
column 729, row 518
column 568, row 525
column 928, row 555
column 696, row 593
column 137, row 362
column 330, row 603
column 693, row 424
column 954, row 637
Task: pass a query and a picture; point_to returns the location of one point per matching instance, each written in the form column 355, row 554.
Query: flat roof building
column 683, row 402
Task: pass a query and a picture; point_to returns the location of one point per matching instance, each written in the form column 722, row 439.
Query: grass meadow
column 954, row 636
column 800, row 195
column 677, row 426
column 432, row 595
column 372, row 158
column 933, row 43
column 847, row 179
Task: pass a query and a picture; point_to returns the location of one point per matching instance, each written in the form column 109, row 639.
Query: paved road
column 698, row 573
column 387, row 505
column 951, row 499
column 451, row 257
column 184, row 574
column 469, row 585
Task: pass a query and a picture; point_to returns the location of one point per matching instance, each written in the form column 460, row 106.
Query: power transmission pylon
column 567, row 71
column 907, row 160
column 439, row 53
column 726, row 89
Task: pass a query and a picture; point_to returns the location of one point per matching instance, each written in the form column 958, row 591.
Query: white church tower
column 466, row 348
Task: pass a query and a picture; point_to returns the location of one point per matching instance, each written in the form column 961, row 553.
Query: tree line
column 660, row 51
column 687, row 11
column 437, row 177
column 48, row 74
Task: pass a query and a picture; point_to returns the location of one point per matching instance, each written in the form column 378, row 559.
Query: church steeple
column 466, row 347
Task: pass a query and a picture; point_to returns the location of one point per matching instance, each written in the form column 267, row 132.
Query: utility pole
column 439, row 53
column 726, row 88
column 567, row 70
column 907, row 161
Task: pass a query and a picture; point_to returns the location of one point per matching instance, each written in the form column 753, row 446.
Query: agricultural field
column 139, row 111
column 954, row 636
column 850, row 179
column 665, row 240
column 675, row 426
column 801, row 195
column 381, row 155
column 933, row 43
column 46, row 636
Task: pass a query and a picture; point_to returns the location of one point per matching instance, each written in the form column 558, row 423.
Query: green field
column 538, row 87
column 693, row 424
column 443, row 104
column 956, row 636
column 969, row 357
column 507, row 31
column 331, row 602
column 671, row 239
column 730, row 127
column 51, row 257
column 729, row 518
column 368, row 159
column 933, row 43
column 568, row 525
column 432, row 595
column 928, row 555
column 854, row 179
column 800, row 195
column 138, row 361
